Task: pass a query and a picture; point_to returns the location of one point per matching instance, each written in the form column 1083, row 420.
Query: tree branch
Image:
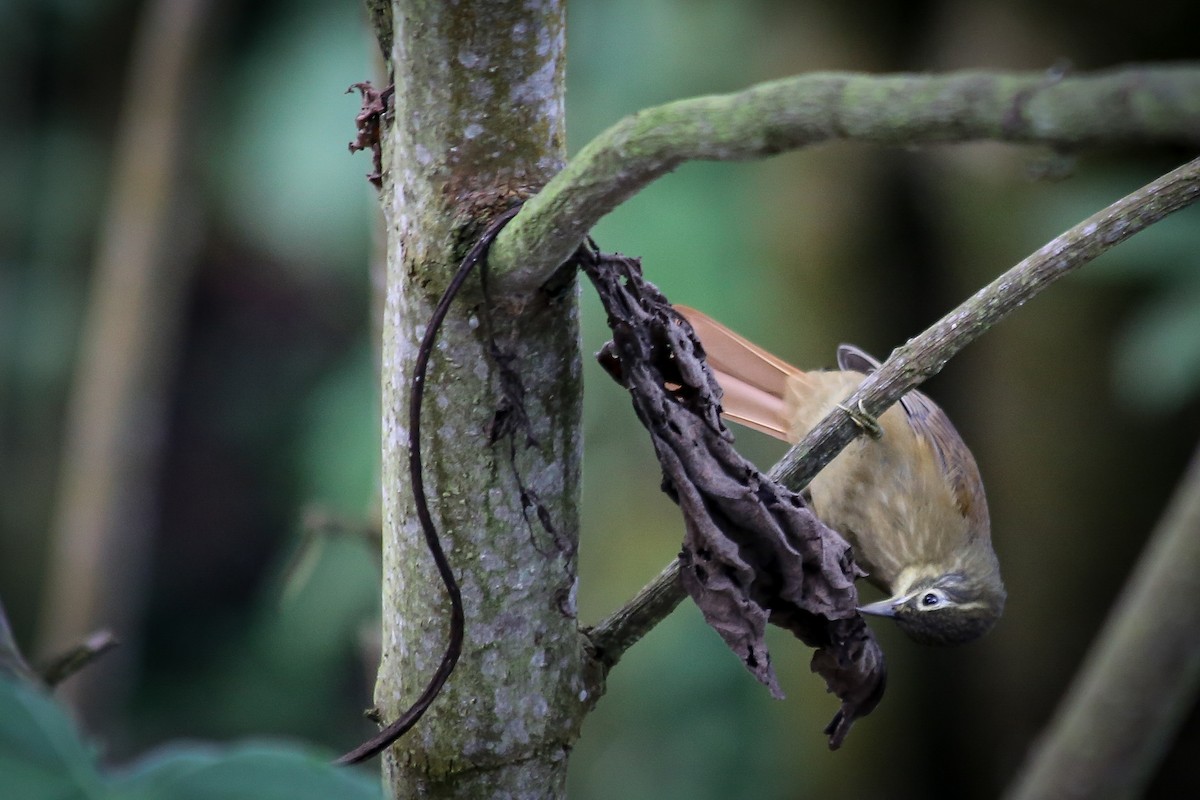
column 77, row 656
column 920, row 359
column 103, row 518
column 1140, row 677
column 620, row 630
column 1143, row 105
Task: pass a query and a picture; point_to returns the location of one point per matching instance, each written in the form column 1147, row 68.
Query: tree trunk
column 478, row 124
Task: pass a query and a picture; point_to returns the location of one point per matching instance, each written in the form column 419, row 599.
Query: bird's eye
column 931, row 600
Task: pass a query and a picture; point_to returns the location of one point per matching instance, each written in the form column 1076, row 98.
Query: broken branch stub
column 753, row 552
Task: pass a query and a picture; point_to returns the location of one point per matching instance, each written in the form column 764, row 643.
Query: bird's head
column 951, row 608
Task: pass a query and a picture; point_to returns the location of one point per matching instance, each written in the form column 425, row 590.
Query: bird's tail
column 761, row 391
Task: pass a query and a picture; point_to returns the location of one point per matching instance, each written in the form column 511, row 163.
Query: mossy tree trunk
column 478, row 124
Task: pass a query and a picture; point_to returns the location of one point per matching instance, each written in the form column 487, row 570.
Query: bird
column 909, row 498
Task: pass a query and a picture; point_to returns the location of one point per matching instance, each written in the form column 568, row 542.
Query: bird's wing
column 958, row 465
column 931, row 423
column 755, row 383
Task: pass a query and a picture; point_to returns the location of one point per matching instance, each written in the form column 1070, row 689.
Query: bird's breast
column 887, row 496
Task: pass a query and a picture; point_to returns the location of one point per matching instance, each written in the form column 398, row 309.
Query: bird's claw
column 865, row 422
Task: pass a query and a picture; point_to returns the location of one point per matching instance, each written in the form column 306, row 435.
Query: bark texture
column 477, row 125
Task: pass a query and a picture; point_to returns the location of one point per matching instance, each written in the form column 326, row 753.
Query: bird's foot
column 865, row 422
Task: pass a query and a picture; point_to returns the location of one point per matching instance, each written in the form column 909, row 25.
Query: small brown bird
column 911, row 501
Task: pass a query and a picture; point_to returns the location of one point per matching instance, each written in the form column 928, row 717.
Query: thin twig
column 619, row 631
column 1140, row 104
column 922, row 358
column 77, row 656
column 1140, row 677
column 319, row 525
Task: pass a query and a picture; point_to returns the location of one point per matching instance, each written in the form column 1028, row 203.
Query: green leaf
column 41, row 755
column 251, row 771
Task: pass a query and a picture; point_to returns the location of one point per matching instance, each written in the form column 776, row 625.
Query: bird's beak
column 883, row 608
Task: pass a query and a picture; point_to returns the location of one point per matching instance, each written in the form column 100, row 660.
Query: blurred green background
column 1082, row 409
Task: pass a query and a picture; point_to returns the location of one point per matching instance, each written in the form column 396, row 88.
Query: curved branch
column 1140, row 677
column 922, row 358
column 1133, row 105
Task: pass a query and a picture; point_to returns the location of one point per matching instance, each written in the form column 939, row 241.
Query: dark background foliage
column 1081, row 409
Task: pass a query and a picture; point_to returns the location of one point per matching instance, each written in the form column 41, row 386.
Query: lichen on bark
column 457, row 150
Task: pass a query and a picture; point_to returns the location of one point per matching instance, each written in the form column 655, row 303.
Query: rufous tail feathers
column 760, row 390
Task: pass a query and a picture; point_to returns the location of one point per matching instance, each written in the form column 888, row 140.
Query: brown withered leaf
column 376, row 104
column 753, row 552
